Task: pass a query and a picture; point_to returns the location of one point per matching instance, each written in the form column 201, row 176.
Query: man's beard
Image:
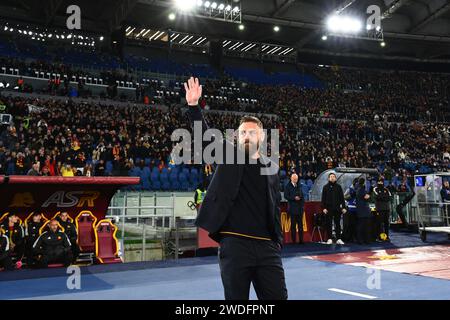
column 249, row 148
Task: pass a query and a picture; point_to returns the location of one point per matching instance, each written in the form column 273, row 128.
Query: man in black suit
column 294, row 195
column 333, row 204
column 241, row 211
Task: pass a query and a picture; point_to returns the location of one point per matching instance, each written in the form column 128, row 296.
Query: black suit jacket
column 224, row 187
column 295, row 207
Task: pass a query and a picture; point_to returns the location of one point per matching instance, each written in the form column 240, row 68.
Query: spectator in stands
column 53, row 246
column 67, row 170
column 33, row 228
column 294, row 195
column 71, row 231
column 333, row 204
column 34, row 171
column 364, row 233
column 16, row 235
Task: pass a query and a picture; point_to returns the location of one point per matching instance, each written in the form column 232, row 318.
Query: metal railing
column 158, row 213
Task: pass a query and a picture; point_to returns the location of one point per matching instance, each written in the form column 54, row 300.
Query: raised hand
column 193, row 91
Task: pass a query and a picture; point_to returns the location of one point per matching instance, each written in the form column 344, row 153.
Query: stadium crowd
column 393, row 120
column 70, row 138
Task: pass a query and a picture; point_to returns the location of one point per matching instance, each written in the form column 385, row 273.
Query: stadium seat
column 175, row 185
column 3, row 217
column 184, row 185
column 106, row 243
column 85, row 222
column 57, row 214
column 145, row 183
column 25, row 222
column 165, row 185
column 108, row 167
column 11, row 169
column 156, row 185
column 45, row 227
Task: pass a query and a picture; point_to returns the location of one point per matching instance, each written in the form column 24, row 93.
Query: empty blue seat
column 154, row 176
column 108, row 167
column 146, row 172
column 11, row 169
column 165, row 185
column 194, row 172
column 145, row 184
column 156, row 185
column 155, row 169
column 185, row 185
column 175, row 185
column 173, row 176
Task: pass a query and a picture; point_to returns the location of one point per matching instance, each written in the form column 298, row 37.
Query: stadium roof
column 412, row 29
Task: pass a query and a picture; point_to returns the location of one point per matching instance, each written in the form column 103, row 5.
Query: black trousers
column 364, row 230
column 247, row 261
column 6, row 262
column 330, row 217
column 349, row 232
column 297, row 220
column 383, row 222
column 45, row 259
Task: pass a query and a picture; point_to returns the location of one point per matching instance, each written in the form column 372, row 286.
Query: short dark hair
column 251, row 119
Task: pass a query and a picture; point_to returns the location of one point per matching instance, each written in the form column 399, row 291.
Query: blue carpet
column 306, row 280
column 199, row 278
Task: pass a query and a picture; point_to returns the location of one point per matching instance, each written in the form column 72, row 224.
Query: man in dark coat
column 241, row 210
column 363, row 233
column 383, row 206
column 294, row 195
column 333, row 204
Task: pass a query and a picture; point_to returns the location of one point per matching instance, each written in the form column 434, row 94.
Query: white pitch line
column 352, row 293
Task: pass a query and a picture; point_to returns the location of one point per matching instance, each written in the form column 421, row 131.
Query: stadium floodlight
column 228, row 8
column 241, row 27
column 199, row 3
column 343, row 24
column 207, row 4
column 172, row 16
column 214, row 5
column 236, row 9
column 383, row 44
column 276, row 28
column 185, row 5
column 324, row 37
column 101, row 38
column 221, row 6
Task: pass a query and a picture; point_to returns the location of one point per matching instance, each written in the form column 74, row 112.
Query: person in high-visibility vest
column 199, row 195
